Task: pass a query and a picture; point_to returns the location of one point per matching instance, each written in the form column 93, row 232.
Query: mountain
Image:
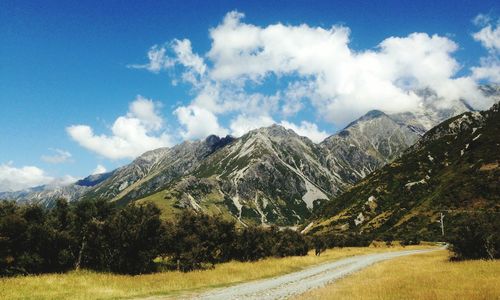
column 47, row 194
column 94, row 179
column 269, row 175
column 454, row 168
column 365, row 145
column 272, row 175
column 154, row 169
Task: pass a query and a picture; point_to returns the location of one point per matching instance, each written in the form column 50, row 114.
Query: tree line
column 132, row 239
column 98, row 235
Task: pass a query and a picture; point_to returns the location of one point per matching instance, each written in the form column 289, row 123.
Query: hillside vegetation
column 454, row 169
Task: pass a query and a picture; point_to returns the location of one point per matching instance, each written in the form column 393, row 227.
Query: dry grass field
column 422, row 276
column 92, row 285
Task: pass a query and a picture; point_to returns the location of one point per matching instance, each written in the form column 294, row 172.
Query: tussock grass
column 92, row 285
column 421, row 276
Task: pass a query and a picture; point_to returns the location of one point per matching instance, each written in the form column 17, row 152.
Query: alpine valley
column 272, row 175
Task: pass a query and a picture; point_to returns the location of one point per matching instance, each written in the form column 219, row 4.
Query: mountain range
column 270, row 175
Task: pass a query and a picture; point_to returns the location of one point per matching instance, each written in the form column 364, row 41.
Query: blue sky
column 67, row 67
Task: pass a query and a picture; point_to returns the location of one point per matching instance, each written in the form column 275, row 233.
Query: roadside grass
column 420, row 276
column 93, row 285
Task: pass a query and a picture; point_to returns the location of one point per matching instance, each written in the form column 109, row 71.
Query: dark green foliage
column 319, row 244
column 98, row 235
column 136, row 231
column 34, row 241
column 331, row 240
column 199, row 241
column 289, row 243
column 410, row 239
column 89, row 234
column 476, row 237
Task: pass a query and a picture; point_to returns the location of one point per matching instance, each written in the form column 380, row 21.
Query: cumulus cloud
column 17, row 178
column 244, row 123
column 146, row 111
column 99, row 169
column 307, row 129
column 489, row 37
column 158, row 60
column 489, row 70
column 13, row 179
column 345, row 83
column 59, row 156
column 198, row 122
column 240, row 79
column 131, row 135
column 187, row 58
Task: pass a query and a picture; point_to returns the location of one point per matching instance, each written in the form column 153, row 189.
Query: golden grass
column 92, row 285
column 421, row 276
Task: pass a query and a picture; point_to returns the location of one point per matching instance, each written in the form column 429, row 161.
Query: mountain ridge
column 270, row 175
column 453, row 168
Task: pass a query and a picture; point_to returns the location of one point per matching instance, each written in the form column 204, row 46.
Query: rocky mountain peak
column 215, row 142
column 274, row 130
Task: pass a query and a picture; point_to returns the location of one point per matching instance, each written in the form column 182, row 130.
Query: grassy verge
column 91, row 285
column 422, row 276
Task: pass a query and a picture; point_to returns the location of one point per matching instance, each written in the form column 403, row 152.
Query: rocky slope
column 272, row 175
column 46, row 195
column 269, row 175
column 454, row 168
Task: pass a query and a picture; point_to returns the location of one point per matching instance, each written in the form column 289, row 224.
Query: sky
column 85, row 87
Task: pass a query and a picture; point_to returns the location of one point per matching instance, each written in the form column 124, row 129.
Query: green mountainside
column 454, row 169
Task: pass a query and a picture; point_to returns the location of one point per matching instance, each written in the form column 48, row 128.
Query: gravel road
column 285, row 286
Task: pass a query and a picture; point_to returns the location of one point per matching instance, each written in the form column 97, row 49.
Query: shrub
column 476, row 237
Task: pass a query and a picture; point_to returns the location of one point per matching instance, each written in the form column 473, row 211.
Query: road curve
column 288, row 285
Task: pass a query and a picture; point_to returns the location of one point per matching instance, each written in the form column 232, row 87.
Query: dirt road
column 288, row 285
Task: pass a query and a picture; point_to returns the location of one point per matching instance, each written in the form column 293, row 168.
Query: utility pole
column 442, row 223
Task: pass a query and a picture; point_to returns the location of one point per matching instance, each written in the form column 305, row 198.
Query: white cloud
column 132, row 134
column 345, row 83
column 60, row 156
column 158, row 60
column 146, row 111
column 99, row 169
column 61, row 181
column 243, row 124
column 13, row 178
column 481, row 20
column 241, row 75
column 489, row 69
column 198, row 122
column 307, row 129
column 186, row 57
column 489, row 37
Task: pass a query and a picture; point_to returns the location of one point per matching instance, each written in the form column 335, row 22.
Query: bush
column 476, row 237
column 97, row 235
column 413, row 239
